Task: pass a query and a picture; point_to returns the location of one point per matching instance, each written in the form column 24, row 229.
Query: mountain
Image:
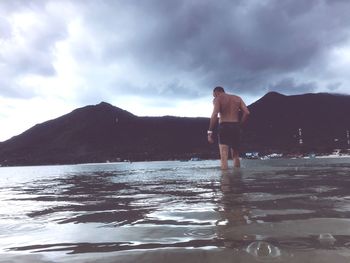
column 102, row 132
column 323, row 118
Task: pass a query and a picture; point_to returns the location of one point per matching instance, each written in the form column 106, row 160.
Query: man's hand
column 210, row 138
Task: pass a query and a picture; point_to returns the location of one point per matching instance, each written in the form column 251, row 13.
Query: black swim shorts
column 229, row 134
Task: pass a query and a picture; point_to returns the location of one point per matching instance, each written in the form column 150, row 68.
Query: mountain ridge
column 96, row 133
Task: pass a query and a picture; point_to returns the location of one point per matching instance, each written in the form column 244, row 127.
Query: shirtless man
column 228, row 107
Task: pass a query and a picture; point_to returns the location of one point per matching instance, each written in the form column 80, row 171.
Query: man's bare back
column 228, row 106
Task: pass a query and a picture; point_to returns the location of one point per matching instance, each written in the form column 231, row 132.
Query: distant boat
column 252, row 155
column 311, row 155
column 334, row 156
column 270, row 156
column 195, row 159
column 275, row 155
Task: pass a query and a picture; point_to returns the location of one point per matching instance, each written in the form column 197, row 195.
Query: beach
column 280, row 210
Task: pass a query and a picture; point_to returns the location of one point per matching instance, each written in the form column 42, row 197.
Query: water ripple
column 201, row 232
column 263, row 250
column 262, row 212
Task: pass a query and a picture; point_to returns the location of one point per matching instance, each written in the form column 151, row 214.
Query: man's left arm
column 245, row 111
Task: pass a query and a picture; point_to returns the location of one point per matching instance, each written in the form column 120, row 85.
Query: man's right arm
column 214, row 115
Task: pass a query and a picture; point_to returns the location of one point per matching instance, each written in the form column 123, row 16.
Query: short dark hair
column 219, row 89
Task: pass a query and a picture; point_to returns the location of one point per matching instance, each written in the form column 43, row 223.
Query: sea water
column 285, row 210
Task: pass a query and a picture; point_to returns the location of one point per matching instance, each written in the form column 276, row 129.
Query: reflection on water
column 264, row 211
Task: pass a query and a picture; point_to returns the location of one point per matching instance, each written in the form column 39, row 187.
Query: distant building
column 300, row 136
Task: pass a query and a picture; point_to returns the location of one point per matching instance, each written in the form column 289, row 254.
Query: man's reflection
column 232, row 208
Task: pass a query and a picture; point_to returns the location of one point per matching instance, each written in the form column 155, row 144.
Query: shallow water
column 273, row 210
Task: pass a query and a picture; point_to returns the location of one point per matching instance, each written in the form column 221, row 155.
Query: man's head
column 217, row 91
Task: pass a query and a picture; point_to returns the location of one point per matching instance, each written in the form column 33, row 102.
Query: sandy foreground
column 187, row 255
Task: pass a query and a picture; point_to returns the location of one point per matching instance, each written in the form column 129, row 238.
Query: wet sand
column 190, row 256
column 272, row 211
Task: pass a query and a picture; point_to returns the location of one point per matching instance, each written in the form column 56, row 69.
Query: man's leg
column 235, row 158
column 224, row 156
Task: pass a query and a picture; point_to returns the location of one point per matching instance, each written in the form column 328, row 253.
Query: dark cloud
column 290, row 86
column 173, row 89
column 242, row 44
column 184, row 48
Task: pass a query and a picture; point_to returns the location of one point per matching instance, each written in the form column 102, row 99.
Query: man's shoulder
column 235, row 97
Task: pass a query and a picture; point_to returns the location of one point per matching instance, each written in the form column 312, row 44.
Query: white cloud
column 19, row 115
column 337, row 70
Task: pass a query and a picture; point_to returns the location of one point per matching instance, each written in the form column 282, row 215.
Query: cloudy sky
column 163, row 57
